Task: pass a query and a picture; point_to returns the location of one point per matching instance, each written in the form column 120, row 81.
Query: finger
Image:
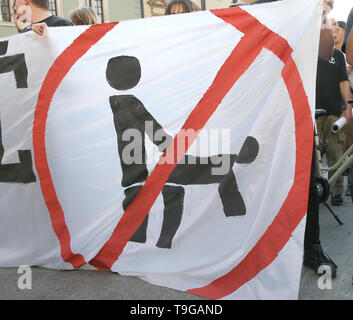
column 38, row 31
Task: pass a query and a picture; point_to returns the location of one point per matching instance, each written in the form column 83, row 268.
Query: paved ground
column 337, row 241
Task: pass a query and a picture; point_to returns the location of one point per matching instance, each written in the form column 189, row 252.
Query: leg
column 173, row 210
column 348, row 130
column 233, row 203
column 312, row 229
column 140, row 234
column 314, row 256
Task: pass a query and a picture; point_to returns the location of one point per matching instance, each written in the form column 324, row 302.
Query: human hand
column 348, row 113
column 40, row 28
column 349, row 69
column 327, row 6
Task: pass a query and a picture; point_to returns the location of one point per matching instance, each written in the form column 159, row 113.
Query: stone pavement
column 337, row 241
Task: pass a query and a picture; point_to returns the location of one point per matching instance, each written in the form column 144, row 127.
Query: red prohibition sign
column 256, row 37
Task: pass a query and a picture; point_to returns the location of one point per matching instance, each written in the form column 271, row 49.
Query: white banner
column 176, row 149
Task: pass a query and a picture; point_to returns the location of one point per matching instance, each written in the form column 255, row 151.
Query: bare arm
column 349, row 48
column 346, row 95
column 327, row 42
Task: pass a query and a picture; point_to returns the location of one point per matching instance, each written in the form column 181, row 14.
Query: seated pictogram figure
column 123, row 73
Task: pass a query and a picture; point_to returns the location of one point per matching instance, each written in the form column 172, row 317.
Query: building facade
column 107, row 10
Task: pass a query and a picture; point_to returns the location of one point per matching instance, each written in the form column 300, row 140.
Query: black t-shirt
column 329, row 75
column 52, row 21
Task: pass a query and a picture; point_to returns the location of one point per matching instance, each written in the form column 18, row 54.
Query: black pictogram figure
column 124, row 72
column 18, row 172
column 197, row 171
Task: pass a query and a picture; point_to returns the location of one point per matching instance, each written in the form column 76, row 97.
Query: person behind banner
column 83, row 16
column 179, row 6
column 338, row 28
column 332, row 94
column 35, row 15
column 348, row 49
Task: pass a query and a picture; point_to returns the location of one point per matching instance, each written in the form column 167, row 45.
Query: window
column 5, row 10
column 97, row 6
column 52, row 7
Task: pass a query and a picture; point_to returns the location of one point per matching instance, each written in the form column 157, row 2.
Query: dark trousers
column 312, row 229
column 350, row 177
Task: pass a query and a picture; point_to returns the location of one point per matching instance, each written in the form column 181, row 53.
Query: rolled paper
column 338, row 125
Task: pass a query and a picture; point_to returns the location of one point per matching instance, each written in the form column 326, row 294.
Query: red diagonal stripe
column 238, row 62
column 55, row 75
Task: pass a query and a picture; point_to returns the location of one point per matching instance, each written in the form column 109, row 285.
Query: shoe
column 314, row 258
column 336, row 200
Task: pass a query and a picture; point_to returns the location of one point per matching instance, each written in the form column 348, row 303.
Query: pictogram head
column 123, row 72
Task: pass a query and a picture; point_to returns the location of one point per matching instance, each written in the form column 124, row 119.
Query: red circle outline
column 256, row 37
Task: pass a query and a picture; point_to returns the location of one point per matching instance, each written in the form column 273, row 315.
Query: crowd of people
column 334, row 87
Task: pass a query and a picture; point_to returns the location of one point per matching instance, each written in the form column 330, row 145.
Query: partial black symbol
column 17, row 172
column 123, row 73
column 3, row 47
column 15, row 64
